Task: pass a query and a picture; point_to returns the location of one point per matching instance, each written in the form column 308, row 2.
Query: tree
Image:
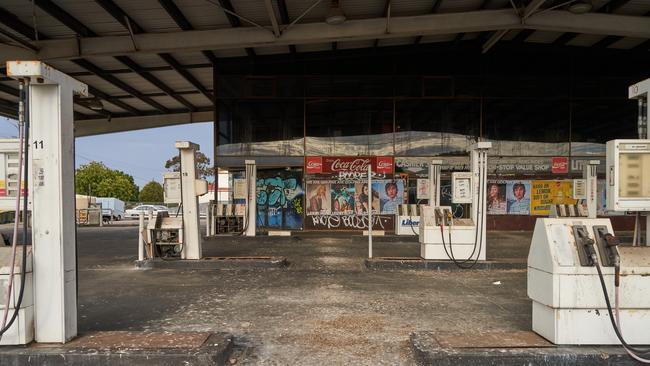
column 203, row 168
column 98, row 180
column 151, row 192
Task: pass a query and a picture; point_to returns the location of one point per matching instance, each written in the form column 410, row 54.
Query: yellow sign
column 545, row 193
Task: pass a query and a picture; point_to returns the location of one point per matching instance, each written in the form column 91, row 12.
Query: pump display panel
column 628, row 175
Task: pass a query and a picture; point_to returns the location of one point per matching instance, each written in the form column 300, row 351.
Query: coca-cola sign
column 337, row 164
column 313, row 164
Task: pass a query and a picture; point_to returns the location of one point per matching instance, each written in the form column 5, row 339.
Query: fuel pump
column 461, row 240
column 577, row 264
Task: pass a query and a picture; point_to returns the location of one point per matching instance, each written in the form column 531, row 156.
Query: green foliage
column 97, row 180
column 203, row 168
column 151, row 192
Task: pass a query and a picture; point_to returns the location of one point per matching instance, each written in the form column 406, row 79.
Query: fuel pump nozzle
column 612, row 242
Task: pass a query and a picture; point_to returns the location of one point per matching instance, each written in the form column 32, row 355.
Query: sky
column 141, row 154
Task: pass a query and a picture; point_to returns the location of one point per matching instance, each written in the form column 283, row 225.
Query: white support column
column 192, row 248
column 591, row 182
column 434, row 182
column 53, row 198
column 479, row 183
column 370, row 211
column 251, row 198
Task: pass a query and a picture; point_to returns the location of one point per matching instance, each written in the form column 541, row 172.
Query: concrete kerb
column 426, row 351
column 215, row 263
column 399, row 263
column 215, row 351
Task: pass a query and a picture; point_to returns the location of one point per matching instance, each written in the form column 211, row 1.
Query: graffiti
column 279, row 202
column 355, row 176
column 350, row 222
column 297, row 203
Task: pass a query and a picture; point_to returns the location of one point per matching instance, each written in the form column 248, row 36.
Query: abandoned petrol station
column 319, row 94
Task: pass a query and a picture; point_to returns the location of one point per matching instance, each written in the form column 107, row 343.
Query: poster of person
column 361, row 198
column 342, row 198
column 518, row 197
column 422, row 189
column 391, row 194
column 318, row 199
column 496, row 198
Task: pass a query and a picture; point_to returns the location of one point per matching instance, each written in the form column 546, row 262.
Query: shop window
column 527, row 127
column 349, row 86
column 349, row 127
column 441, row 87
column 428, row 127
column 259, row 127
column 594, row 122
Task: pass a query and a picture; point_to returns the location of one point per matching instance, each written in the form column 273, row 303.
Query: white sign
column 239, row 189
column 422, row 189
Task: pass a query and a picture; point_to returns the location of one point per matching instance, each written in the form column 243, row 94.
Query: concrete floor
column 325, row 308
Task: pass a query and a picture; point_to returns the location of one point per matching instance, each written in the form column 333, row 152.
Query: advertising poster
column 391, row 194
column 342, row 198
column 239, row 189
column 548, row 192
column 361, row 198
column 496, row 198
column 422, row 189
column 518, row 195
column 319, row 200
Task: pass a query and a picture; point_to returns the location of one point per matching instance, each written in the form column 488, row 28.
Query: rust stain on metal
column 478, row 339
column 127, row 339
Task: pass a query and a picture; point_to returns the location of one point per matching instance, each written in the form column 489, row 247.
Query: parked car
column 134, row 212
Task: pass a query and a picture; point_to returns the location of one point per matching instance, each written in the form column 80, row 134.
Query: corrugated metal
column 459, row 5
column 202, row 14
column 254, row 10
column 204, row 75
column 92, row 16
column 148, row 60
column 148, row 14
column 173, row 80
column 100, row 84
column 169, row 102
column 543, row 37
column 190, row 58
column 635, row 7
column 137, row 103
column 628, row 43
column 410, row 7
column 136, row 81
column 42, row 21
column 584, row 40
column 198, row 100
column 239, row 52
column 360, row 9
column 297, row 7
column 106, row 63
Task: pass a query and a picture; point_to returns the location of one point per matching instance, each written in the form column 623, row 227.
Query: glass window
column 519, row 127
column 261, row 127
column 594, row 122
column 426, row 127
column 349, row 127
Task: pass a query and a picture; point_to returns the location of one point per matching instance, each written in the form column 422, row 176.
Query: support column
column 591, row 184
column 434, row 182
column 479, row 183
column 53, row 198
column 192, row 248
column 251, row 198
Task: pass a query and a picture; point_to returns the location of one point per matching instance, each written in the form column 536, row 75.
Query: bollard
column 141, row 238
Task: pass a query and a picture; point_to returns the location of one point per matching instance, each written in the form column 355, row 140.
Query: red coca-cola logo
column 314, row 164
column 355, row 165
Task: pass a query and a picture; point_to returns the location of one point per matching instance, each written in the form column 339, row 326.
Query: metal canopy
column 150, row 61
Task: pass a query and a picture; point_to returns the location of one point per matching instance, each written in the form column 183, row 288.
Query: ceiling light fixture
column 335, row 15
column 581, row 7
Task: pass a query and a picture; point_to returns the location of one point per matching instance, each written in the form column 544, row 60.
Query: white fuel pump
column 577, row 266
column 443, row 236
column 50, row 315
column 173, row 236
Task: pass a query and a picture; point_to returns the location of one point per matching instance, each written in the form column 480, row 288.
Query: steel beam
column 434, row 9
column 101, row 125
